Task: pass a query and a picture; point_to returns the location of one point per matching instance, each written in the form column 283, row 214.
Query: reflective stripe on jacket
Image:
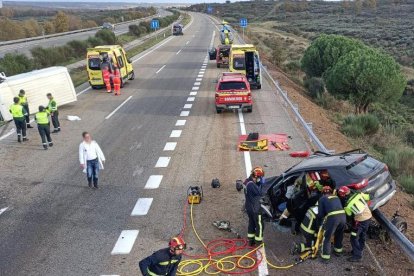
column 357, row 206
column 162, row 262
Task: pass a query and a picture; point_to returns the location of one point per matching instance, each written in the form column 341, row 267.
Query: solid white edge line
column 142, row 207
column 262, row 269
column 163, row 162
column 180, row 122
column 170, row 146
column 159, row 70
column 3, row 210
column 176, row 133
column 83, row 91
column 11, row 131
column 116, row 109
column 125, row 242
column 153, row 182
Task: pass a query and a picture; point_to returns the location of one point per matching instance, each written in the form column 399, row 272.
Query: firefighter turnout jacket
column 357, row 206
column 253, row 195
column 329, row 206
column 309, row 221
column 162, row 262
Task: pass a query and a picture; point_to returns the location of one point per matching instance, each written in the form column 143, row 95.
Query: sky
column 127, row 1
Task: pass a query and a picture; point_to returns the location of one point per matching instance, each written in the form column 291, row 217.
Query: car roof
column 233, row 77
column 327, row 161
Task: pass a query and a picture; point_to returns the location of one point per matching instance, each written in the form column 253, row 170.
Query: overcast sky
column 127, row 1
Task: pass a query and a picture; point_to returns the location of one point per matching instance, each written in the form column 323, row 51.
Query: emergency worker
column 23, row 101
column 43, row 126
column 117, row 82
column 18, row 112
column 106, row 69
column 309, row 230
column 52, row 108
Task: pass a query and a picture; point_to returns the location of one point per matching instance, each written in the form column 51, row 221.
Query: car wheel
column 218, row 110
column 259, row 86
column 132, row 75
column 218, row 65
column 122, row 83
column 250, row 109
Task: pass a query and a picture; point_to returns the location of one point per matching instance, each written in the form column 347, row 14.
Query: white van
column 37, row 84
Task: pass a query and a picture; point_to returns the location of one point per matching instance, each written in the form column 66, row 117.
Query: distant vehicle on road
column 108, row 26
column 37, row 84
column 233, row 92
column 245, row 59
column 177, row 29
column 117, row 57
column 221, row 55
column 355, row 169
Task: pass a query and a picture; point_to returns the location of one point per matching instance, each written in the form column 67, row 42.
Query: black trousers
column 358, row 236
column 20, row 128
column 55, row 120
column 309, row 241
column 27, row 117
column 334, row 225
column 256, row 227
column 44, row 131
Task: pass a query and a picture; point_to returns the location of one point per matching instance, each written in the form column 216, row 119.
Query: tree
column 357, row 6
column 345, row 4
column 7, row 12
column 365, row 76
column 325, row 51
column 107, row 36
column 13, row 64
column 48, row 27
column 61, row 22
column 31, row 28
column 372, row 4
column 75, row 23
column 10, row 30
column 89, row 24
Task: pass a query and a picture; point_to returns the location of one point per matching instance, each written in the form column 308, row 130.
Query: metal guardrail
column 29, row 39
column 402, row 241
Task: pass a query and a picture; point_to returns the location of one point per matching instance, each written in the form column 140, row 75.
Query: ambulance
column 245, row 59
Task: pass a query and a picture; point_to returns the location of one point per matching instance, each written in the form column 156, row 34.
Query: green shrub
column 13, row 64
column 94, row 41
column 315, row 86
column 79, row 47
column 107, row 36
column 134, row 30
column 407, row 182
column 400, row 160
column 360, row 125
column 146, row 25
column 409, row 137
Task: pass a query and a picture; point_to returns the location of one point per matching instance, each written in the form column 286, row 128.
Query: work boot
column 25, row 139
column 50, row 144
column 90, row 184
column 295, row 249
column 45, row 147
column 354, row 259
column 251, row 242
column 19, row 139
column 55, row 131
column 29, row 126
column 58, row 129
column 337, row 254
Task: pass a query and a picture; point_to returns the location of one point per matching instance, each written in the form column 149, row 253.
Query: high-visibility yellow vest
column 17, row 111
column 42, row 118
column 22, row 100
column 52, row 106
column 357, row 204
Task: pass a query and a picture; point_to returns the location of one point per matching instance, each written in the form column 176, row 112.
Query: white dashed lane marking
column 159, row 70
column 170, row 146
column 125, row 242
column 199, row 79
column 193, row 93
column 188, row 106
column 178, row 52
column 175, row 133
column 200, row 76
column 195, row 88
column 184, row 113
column 197, row 83
column 190, row 99
column 163, row 162
column 180, row 123
column 153, row 182
column 142, row 207
column 3, row 210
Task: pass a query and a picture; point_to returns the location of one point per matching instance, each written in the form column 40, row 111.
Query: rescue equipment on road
column 194, row 194
column 299, row 154
column 215, row 183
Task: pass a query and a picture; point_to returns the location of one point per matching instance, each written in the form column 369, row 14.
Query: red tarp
column 279, row 138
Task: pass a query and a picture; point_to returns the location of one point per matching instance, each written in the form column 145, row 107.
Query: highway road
column 25, row 47
column 160, row 136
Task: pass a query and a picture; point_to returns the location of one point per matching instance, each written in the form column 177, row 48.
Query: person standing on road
column 253, row 196
column 52, row 108
column 164, row 261
column 106, row 69
column 23, row 101
column 91, row 159
column 331, row 216
column 43, row 125
column 18, row 112
column 357, row 208
column 117, row 82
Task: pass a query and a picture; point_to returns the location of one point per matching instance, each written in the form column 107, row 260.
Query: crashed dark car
column 355, row 169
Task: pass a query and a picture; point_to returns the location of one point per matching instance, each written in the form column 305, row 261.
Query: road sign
column 155, row 24
column 210, row 9
column 243, row 22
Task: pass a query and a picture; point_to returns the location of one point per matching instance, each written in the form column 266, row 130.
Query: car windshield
column 233, row 85
column 363, row 166
column 94, row 64
column 239, row 63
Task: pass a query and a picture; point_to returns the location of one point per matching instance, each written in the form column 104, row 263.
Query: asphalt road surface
column 25, row 47
column 160, row 136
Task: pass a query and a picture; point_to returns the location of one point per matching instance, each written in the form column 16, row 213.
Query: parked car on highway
column 233, row 92
column 221, row 55
column 177, row 29
column 355, row 169
column 108, row 26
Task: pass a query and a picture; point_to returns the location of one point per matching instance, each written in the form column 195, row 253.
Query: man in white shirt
column 91, row 159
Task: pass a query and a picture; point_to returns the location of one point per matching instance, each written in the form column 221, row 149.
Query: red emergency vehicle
column 233, row 92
